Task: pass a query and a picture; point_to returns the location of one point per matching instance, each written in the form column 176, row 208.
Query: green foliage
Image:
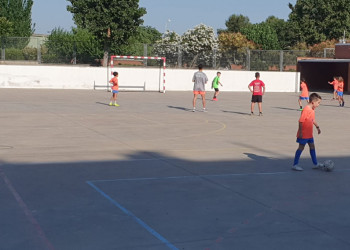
column 314, row 21
column 19, row 13
column 262, row 35
column 78, row 43
column 283, row 30
column 236, row 23
column 6, row 27
column 144, row 35
column 121, row 17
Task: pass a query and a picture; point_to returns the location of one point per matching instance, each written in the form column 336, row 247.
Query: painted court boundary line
column 26, row 211
column 134, row 217
column 141, row 222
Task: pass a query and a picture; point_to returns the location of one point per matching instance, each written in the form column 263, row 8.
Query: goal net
column 139, row 72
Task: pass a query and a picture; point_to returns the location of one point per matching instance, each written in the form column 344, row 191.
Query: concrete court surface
column 150, row 174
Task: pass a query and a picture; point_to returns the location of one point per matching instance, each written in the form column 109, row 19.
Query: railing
column 39, row 50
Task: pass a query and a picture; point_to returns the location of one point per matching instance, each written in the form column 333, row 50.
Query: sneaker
column 116, row 104
column 251, row 113
column 214, row 99
column 205, row 110
column 318, row 166
column 110, row 104
column 194, row 110
column 260, row 114
column 301, row 109
column 297, row 168
column 343, row 104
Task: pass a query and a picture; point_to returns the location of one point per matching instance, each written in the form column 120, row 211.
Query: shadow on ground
column 153, row 201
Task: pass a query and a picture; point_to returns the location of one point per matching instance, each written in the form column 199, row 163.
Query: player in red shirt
column 340, row 91
column 257, row 87
column 335, row 87
column 305, row 132
column 304, row 93
column 115, row 89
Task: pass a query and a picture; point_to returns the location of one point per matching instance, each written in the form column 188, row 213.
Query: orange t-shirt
column 307, row 119
column 340, row 87
column 304, row 90
column 335, row 84
column 114, row 81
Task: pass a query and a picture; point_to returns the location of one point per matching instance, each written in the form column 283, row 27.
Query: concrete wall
column 80, row 77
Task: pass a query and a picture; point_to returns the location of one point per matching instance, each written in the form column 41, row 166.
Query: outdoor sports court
column 151, row 174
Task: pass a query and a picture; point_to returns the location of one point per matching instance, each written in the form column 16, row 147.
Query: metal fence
column 43, row 51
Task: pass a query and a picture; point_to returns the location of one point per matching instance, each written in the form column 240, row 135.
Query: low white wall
column 75, row 77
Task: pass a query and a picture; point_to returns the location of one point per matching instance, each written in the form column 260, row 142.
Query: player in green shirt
column 215, row 85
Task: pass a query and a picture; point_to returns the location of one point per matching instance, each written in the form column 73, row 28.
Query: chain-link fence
column 42, row 51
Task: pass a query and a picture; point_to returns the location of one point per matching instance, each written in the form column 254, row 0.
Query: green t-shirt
column 216, row 82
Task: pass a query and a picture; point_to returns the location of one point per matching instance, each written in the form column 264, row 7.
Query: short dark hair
column 115, row 73
column 303, row 79
column 314, row 97
column 200, row 66
column 218, row 72
column 257, row 74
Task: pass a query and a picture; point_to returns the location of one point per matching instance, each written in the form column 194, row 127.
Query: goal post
column 142, row 58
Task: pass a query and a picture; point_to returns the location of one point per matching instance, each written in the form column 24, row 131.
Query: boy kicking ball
column 305, row 132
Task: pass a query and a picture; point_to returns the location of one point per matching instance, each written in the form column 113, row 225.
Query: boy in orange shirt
column 305, row 132
column 335, row 87
column 115, row 89
column 304, row 93
column 340, row 91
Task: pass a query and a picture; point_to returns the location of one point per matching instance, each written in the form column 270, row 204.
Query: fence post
column 281, row 60
column 2, row 49
column 74, row 61
column 214, row 58
column 38, row 51
column 248, row 60
column 145, row 54
column 179, row 56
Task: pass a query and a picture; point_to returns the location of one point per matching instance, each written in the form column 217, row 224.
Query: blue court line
column 134, row 217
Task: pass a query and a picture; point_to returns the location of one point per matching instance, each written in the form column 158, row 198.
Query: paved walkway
column 151, row 174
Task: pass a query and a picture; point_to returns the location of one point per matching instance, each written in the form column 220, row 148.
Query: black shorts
column 257, row 98
column 216, row 89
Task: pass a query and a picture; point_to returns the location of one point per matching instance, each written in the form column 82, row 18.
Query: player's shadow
column 235, row 112
column 180, row 108
column 258, row 158
column 286, row 108
column 334, row 106
column 101, row 103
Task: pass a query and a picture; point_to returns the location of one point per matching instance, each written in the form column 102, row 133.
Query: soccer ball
column 328, row 165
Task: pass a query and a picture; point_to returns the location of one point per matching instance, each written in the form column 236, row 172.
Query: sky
column 173, row 15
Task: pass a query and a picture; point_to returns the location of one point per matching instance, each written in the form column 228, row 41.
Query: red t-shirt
column 340, row 87
column 114, row 81
column 307, row 119
column 257, row 87
column 304, row 90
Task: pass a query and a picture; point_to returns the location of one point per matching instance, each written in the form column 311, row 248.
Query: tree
column 19, row 13
column 199, row 43
column 283, row 30
column 263, row 35
column 235, row 41
column 144, row 35
column 169, row 47
column 315, row 21
column 236, row 23
column 112, row 22
column 63, row 46
column 6, row 27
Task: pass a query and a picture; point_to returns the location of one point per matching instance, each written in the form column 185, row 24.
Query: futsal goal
column 138, row 72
